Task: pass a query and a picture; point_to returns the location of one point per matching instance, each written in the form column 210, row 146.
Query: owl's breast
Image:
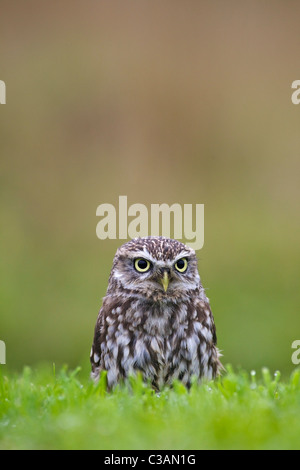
column 162, row 343
column 157, row 344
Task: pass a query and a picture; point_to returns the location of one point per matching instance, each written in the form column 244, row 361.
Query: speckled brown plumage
column 159, row 321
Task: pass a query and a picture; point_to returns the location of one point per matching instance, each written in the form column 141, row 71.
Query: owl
column 155, row 317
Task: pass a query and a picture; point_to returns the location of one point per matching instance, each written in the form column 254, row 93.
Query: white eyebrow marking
column 168, row 262
column 184, row 254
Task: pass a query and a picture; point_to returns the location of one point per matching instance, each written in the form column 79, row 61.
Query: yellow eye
column 142, row 265
column 181, row 265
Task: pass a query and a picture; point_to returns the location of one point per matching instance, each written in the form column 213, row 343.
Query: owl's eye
column 181, row 265
column 142, row 265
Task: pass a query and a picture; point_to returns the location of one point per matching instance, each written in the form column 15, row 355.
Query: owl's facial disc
column 157, row 271
column 152, row 272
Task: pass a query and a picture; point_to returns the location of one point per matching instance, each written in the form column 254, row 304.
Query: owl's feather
column 140, row 327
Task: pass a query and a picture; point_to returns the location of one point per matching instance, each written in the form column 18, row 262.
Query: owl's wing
column 205, row 317
column 207, row 334
column 106, row 316
column 95, row 355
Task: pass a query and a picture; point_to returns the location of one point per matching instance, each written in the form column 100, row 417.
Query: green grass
column 41, row 409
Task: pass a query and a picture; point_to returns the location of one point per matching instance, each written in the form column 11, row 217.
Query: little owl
column 155, row 317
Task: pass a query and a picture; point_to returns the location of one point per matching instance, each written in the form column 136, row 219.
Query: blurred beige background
column 172, row 101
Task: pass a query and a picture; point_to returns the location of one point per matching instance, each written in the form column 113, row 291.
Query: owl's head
column 155, row 267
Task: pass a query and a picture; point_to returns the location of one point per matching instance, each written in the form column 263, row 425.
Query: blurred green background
column 172, row 101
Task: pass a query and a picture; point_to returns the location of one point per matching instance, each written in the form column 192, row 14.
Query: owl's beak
column 165, row 281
